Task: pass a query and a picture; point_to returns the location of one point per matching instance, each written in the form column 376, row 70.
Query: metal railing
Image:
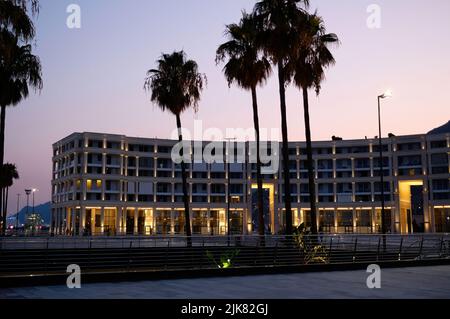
column 110, row 254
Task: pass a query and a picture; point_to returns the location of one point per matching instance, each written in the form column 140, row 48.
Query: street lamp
column 34, row 190
column 28, row 192
column 385, row 95
column 17, row 215
column 229, row 140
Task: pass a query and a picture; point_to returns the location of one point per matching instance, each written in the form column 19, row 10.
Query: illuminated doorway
column 268, row 208
column 411, row 207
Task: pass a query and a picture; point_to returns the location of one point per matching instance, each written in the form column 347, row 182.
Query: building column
column 119, row 220
column 82, row 220
column 374, row 220
column 136, row 216
column 73, row 213
column 335, row 221
column 208, row 214
column 427, row 212
column 102, row 220
column 172, row 222
column 354, row 220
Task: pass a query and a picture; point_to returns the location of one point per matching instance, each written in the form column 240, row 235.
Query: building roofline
column 343, row 141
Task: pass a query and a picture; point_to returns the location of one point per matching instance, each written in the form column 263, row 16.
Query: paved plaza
column 420, row 282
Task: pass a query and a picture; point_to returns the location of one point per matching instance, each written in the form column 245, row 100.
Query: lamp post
column 385, row 95
column 17, row 215
column 34, row 190
column 27, row 192
column 229, row 140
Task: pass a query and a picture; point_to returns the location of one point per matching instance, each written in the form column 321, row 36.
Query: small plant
column 226, row 259
column 313, row 251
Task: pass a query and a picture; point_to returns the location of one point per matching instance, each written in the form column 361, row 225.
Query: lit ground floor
column 411, row 283
column 216, row 221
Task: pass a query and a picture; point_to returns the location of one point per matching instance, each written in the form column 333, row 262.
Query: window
column 344, row 188
column 412, row 160
column 439, row 159
column 438, row 144
column 409, row 146
column 164, row 149
column 363, row 187
column 441, row 185
column 325, row 164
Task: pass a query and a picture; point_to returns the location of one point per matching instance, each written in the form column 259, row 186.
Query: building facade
column 112, row 184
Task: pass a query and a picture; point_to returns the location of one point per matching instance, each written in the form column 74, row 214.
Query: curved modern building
column 113, row 184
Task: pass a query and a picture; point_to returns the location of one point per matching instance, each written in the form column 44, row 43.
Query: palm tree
column 7, row 176
column 18, row 67
column 176, row 86
column 14, row 18
column 309, row 63
column 277, row 40
column 248, row 69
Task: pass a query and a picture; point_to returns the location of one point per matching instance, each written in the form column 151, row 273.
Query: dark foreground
column 417, row 282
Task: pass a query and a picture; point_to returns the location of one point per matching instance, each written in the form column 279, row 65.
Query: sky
column 94, row 76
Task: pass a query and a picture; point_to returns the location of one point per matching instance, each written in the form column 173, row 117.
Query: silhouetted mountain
column 44, row 210
column 441, row 130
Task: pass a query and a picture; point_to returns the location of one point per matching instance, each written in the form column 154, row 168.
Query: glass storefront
column 345, row 221
column 179, row 222
column 326, row 221
column 387, row 220
column 162, row 221
column 442, row 220
column 364, row 221
column 236, row 222
column 199, row 222
column 110, row 222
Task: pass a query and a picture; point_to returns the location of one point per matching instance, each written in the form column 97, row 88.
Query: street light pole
column 27, row 192
column 383, row 223
column 17, row 215
column 229, row 140
column 34, row 190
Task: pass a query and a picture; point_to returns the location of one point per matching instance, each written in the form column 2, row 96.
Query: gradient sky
column 93, row 77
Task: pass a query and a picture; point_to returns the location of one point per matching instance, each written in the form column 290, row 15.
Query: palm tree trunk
column 5, row 208
column 1, row 211
column 285, row 150
column 185, row 190
column 311, row 177
column 2, row 152
column 262, row 226
column 2, row 134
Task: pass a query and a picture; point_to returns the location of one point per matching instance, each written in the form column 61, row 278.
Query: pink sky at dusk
column 94, row 76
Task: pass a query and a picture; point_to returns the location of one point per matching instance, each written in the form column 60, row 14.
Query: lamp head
column 386, row 94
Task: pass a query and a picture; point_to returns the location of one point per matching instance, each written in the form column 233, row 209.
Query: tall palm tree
column 16, row 31
column 248, row 69
column 19, row 70
column 176, row 85
column 311, row 59
column 277, row 40
column 7, row 176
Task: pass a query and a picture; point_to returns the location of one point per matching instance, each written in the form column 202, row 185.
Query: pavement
column 406, row 283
